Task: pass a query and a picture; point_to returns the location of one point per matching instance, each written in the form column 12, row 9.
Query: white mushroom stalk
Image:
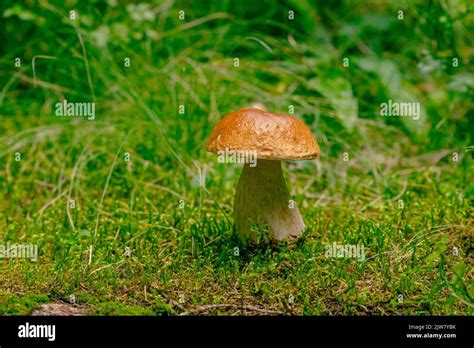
column 263, row 204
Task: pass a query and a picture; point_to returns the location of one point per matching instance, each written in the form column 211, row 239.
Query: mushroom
column 262, row 200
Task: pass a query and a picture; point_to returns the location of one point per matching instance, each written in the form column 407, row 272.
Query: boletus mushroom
column 262, row 201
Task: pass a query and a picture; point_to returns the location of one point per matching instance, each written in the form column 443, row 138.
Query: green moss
column 20, row 304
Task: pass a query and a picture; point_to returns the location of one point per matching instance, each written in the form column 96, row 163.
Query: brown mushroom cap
column 272, row 136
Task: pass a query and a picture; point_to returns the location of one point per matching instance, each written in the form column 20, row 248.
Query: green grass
column 179, row 231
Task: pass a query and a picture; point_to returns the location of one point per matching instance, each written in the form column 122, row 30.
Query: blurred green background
column 171, row 203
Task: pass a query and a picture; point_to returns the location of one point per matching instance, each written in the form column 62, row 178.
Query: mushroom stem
column 262, row 201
